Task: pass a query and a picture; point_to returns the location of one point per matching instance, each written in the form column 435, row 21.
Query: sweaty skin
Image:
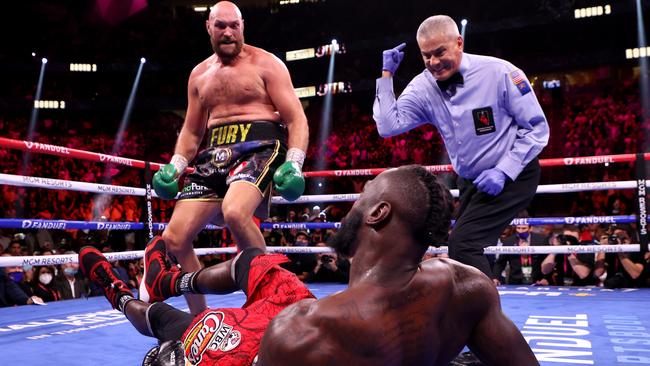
column 397, row 309
column 238, row 83
column 426, row 322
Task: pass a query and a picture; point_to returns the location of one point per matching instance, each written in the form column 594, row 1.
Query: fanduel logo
column 28, row 224
column 115, row 159
column 590, row 220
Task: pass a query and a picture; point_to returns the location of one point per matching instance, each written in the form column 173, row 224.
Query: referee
column 490, row 120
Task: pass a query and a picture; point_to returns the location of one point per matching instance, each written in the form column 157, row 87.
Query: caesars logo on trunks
column 238, row 169
column 221, row 156
column 210, row 333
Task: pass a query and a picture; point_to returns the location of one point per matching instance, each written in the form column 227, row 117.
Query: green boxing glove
column 165, row 181
column 288, row 178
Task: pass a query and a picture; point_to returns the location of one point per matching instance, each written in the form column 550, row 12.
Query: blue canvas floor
column 563, row 326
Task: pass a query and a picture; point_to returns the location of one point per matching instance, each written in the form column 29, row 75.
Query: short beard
column 345, row 238
column 228, row 56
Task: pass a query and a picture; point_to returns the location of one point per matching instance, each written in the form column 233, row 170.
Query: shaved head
column 225, row 26
column 224, row 8
column 437, row 25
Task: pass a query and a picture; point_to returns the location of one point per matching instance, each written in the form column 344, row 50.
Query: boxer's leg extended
column 221, row 278
column 189, row 218
column 161, row 324
column 238, row 207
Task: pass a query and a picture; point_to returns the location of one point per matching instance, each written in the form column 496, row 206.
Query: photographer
column 301, row 263
column 624, row 270
column 569, row 269
column 329, row 268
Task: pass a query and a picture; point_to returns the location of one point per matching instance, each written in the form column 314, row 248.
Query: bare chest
column 231, row 86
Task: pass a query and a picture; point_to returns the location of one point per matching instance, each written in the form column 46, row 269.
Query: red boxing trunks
column 230, row 337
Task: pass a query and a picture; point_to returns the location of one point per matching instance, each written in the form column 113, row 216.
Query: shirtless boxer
column 244, row 96
column 397, row 311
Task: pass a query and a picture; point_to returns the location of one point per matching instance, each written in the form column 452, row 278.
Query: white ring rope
column 50, row 183
column 136, row 254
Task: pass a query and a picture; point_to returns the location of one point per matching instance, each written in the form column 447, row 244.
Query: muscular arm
column 291, row 339
column 195, row 123
column 280, row 89
column 496, row 340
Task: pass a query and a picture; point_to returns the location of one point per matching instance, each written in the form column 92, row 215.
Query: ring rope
column 126, row 226
column 51, row 183
column 137, row 254
column 104, row 158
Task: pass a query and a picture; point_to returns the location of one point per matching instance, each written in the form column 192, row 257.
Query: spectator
column 524, row 269
column 11, row 294
column 329, row 268
column 15, row 248
column 69, row 283
column 43, row 285
column 301, row 263
column 134, row 269
column 623, row 270
column 569, row 269
column 17, row 274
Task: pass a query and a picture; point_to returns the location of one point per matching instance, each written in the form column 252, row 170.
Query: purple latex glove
column 491, row 181
column 392, row 58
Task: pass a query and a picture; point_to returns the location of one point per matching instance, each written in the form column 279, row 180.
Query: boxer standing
column 244, row 96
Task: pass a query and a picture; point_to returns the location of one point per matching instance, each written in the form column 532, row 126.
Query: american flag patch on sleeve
column 520, row 82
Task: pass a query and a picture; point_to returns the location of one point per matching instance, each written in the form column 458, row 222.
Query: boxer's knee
column 236, row 216
column 175, row 242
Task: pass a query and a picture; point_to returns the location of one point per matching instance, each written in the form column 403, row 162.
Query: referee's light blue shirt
column 519, row 132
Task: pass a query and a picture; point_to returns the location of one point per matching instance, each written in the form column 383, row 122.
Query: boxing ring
column 563, row 325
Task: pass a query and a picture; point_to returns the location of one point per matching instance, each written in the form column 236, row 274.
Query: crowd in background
column 590, row 125
column 594, row 118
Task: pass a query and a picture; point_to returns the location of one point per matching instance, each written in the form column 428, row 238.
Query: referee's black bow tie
column 456, row 78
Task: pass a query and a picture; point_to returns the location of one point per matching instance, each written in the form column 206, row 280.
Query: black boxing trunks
column 238, row 152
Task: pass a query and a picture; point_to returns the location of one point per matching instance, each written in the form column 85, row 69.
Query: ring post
column 641, row 203
column 149, row 213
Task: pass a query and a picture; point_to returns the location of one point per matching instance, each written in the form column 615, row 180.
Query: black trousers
column 481, row 218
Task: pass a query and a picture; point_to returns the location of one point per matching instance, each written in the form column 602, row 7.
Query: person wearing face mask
column 69, row 284
column 17, row 274
column 10, row 291
column 524, row 269
column 43, row 285
column 490, row 120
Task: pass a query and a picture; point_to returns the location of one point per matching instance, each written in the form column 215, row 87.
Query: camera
column 567, row 240
column 326, row 259
column 613, row 239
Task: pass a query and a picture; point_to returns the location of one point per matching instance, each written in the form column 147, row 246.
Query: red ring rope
column 104, row 158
